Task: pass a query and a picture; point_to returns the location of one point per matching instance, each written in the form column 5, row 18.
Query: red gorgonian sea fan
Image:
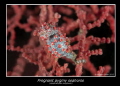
column 60, row 40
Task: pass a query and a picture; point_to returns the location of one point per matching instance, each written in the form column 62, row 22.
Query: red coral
column 90, row 31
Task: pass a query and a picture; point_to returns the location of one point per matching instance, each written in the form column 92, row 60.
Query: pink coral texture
column 60, row 40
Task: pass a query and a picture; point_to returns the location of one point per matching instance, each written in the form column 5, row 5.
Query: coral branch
column 60, row 40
